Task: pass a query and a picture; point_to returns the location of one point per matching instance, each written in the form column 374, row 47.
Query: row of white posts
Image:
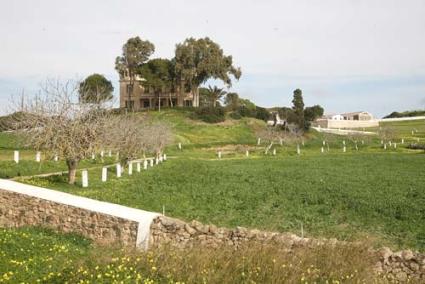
column 119, row 169
column 16, row 156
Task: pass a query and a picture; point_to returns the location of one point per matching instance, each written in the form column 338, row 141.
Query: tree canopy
column 95, row 89
column 197, row 60
column 158, row 74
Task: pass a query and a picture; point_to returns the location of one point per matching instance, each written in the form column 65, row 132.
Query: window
column 145, row 103
column 188, row 103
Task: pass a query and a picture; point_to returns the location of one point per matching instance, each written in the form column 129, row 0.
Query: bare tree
column 386, row 133
column 133, row 136
column 56, row 123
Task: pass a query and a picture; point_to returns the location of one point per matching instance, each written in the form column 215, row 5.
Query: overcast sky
column 345, row 55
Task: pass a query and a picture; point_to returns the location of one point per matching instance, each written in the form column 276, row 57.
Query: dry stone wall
column 399, row 266
column 19, row 210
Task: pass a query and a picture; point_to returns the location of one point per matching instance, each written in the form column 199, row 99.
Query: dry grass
column 252, row 263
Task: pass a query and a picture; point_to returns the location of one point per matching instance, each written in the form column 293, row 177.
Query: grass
column 351, row 196
column 32, row 255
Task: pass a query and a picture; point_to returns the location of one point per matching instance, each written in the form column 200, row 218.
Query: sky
column 346, row 55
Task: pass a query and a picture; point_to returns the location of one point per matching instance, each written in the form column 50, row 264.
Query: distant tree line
column 412, row 113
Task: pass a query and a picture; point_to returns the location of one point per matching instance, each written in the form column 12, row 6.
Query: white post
column 402, row 141
column 281, row 141
column 219, row 154
column 56, row 158
column 362, row 142
column 247, row 153
column 161, row 159
column 145, row 164
column 38, row 157
column 130, row 168
column 385, row 146
column 302, row 142
column 344, row 149
column 164, row 157
column 156, row 161
column 274, row 152
column 151, row 162
column 93, row 156
column 16, row 157
column 118, row 170
column 323, row 143
column 85, row 177
column 322, row 150
column 390, row 143
column 104, row 174
column 343, row 142
column 357, row 148
column 110, row 153
column 118, row 156
column 259, row 141
column 138, row 167
column 298, row 149
column 395, row 145
column 382, row 142
column 180, row 146
column 102, row 153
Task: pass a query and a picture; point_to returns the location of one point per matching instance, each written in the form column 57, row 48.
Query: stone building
column 139, row 97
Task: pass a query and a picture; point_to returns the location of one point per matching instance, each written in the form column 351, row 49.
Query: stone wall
column 106, row 223
column 19, row 210
column 399, row 266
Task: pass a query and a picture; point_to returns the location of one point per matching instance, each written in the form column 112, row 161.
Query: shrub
column 262, row 113
column 235, row 115
column 209, row 114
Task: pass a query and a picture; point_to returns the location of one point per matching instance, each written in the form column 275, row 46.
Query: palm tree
column 215, row 94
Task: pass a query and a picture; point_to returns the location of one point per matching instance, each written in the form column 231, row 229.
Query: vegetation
column 411, row 113
column 135, row 52
column 197, row 60
column 31, row 255
column 95, row 89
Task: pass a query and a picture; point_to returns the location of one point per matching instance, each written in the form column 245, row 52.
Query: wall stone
column 17, row 210
column 399, row 266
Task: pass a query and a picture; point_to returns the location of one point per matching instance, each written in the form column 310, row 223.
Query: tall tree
column 215, row 94
column 198, row 60
column 135, row 52
column 95, row 89
column 298, row 107
column 159, row 76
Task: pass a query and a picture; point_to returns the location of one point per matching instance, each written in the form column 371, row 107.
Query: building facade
column 347, row 120
column 138, row 97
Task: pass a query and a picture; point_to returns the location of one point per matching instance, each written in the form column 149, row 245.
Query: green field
column 366, row 193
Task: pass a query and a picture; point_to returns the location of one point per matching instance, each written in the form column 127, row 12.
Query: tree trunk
column 72, row 170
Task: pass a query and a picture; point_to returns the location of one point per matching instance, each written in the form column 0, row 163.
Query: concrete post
column 145, row 164
column 219, row 154
column 16, row 156
column 118, row 167
column 38, row 157
column 104, row 174
column 130, row 168
column 138, row 167
column 85, row 178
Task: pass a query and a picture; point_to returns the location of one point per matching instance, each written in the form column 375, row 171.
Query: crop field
column 354, row 196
